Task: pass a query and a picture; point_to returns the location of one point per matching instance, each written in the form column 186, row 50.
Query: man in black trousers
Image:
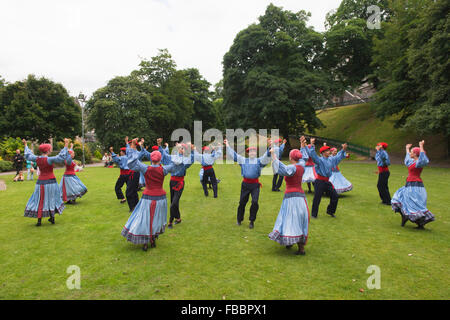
column 383, row 164
column 324, row 164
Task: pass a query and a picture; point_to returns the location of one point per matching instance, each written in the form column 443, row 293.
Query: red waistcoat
column 294, row 183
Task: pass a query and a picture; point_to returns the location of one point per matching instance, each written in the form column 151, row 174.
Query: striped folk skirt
column 71, row 187
column 292, row 223
column 45, row 201
column 149, row 218
column 411, row 200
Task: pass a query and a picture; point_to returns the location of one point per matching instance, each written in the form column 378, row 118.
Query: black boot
column 38, row 223
column 145, row 247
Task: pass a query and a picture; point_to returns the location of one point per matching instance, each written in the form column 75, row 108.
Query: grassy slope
column 359, row 125
column 209, row 257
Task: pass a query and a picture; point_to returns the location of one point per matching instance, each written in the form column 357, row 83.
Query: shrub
column 8, row 147
column 98, row 154
column 5, row 166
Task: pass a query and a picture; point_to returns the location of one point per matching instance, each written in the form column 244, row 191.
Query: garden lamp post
column 82, row 101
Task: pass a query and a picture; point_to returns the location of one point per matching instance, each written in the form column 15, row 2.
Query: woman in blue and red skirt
column 411, row 200
column 149, row 217
column 291, row 226
column 337, row 179
column 71, row 186
column 46, row 199
column 309, row 176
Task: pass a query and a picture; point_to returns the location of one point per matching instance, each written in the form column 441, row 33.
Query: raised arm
column 423, row 159
column 340, row 156
column 265, row 158
column 236, row 157
column 282, row 169
column 408, row 160
column 29, row 155
column 133, row 160
column 62, row 156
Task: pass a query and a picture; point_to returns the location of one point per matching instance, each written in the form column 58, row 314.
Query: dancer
column 309, row 176
column 323, row 174
column 411, row 200
column 338, row 181
column 277, row 180
column 149, row 217
column 128, row 177
column 207, row 160
column 291, row 225
column 71, row 186
column 250, row 171
column 46, row 199
column 383, row 164
column 200, row 174
column 182, row 163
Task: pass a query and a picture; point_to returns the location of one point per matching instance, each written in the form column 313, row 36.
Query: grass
column 358, row 124
column 208, row 257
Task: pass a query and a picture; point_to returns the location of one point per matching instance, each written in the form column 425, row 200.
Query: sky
column 83, row 44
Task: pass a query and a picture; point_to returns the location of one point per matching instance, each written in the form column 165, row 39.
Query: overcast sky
column 83, row 44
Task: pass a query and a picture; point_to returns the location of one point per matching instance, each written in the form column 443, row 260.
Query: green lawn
column 208, row 256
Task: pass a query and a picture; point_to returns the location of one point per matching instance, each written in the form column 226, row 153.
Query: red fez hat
column 155, row 156
column 45, row 147
column 324, row 148
column 205, row 148
column 155, row 148
column 72, row 153
column 416, row 150
column 333, row 149
column 383, row 144
column 278, row 140
column 251, row 148
column 295, row 154
column 123, row 149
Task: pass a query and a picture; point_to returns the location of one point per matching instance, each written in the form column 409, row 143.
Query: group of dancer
column 148, row 217
column 48, row 197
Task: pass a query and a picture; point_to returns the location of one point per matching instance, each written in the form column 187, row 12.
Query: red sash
column 124, row 172
column 383, row 169
column 247, row 180
column 207, row 168
column 180, row 181
column 319, row 177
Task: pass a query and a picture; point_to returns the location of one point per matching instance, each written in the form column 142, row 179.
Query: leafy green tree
column 398, row 92
column 272, row 74
column 349, row 42
column 201, row 98
column 38, row 108
column 429, row 68
column 122, row 108
column 357, row 9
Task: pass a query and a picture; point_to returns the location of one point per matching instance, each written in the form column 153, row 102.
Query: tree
column 349, row 42
column 124, row 108
column 357, row 9
column 201, row 98
column 429, row 68
column 398, row 90
column 38, row 109
column 272, row 74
